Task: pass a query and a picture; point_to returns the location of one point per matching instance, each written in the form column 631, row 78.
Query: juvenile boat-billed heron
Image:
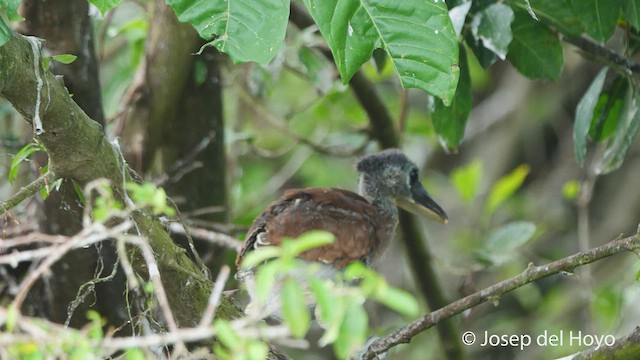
column 363, row 225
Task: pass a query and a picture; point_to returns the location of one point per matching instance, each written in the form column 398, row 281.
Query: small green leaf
column 458, row 15
column 451, row 121
column 134, row 354
column 65, row 58
column 225, row 334
column 503, row 243
column 492, row 26
column 353, row 331
column 466, row 180
column 266, row 276
column 257, row 350
column 584, row 115
column 105, row 5
column 260, row 255
column 638, row 276
column 79, row 192
column 20, row 157
column 571, row 189
column 398, row 300
column 308, row 241
column 95, row 330
column 505, row 187
column 607, row 110
column 535, row 50
column 294, row 308
column 11, row 7
column 5, row 33
column 628, row 126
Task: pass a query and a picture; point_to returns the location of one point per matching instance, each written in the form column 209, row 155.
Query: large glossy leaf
column 417, row 35
column 584, row 115
column 599, row 17
column 492, row 26
column 245, row 30
column 627, row 129
column 535, row 50
column 450, row 121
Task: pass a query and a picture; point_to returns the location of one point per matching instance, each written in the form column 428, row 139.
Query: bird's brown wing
column 347, row 215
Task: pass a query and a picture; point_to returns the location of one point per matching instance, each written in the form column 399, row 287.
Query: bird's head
column 390, row 175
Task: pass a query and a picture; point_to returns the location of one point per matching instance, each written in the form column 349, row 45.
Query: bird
column 363, row 224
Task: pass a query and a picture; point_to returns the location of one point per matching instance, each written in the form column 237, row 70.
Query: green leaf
column 225, row 334
column 11, row 7
column 260, row 255
column 607, row 110
column 458, row 15
column 599, row 17
column 20, row 157
column 451, row 121
column 399, row 300
column 492, row 26
column 353, row 331
column 5, row 33
column 559, row 13
column 65, row 58
column 466, row 180
column 628, row 126
column 417, row 35
column 134, row 354
column 294, row 309
column 535, row 50
column 632, row 13
column 505, row 187
column 638, row 276
column 246, row 30
column 502, row 243
column 266, row 276
column 584, row 115
column 307, row 241
column 105, row 5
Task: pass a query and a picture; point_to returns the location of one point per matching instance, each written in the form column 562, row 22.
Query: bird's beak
column 420, row 203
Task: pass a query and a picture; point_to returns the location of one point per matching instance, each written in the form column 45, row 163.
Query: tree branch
column 27, row 191
column 603, row 54
column 532, row 273
column 78, row 149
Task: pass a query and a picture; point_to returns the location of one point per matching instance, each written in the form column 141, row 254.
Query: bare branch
column 532, row 273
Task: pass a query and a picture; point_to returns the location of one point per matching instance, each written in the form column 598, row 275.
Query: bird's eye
column 413, row 176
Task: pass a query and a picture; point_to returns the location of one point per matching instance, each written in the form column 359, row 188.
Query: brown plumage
column 363, row 224
column 360, row 233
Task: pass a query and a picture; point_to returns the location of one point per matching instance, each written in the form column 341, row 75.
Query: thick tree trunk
column 66, row 29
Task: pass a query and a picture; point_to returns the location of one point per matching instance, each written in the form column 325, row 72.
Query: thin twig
column 532, row 273
column 214, row 299
column 216, row 238
column 27, row 191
